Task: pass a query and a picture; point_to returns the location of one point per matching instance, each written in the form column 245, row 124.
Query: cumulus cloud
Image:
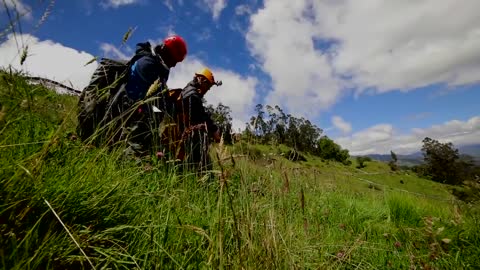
column 281, row 38
column 22, row 9
column 309, row 47
column 117, row 3
column 168, row 4
column 166, row 30
column 403, row 44
column 382, row 138
column 237, row 92
column 341, row 124
column 216, row 7
column 112, row 51
column 48, row 59
column 203, row 35
column 243, row 10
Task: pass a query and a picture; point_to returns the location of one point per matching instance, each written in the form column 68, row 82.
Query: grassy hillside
column 67, row 206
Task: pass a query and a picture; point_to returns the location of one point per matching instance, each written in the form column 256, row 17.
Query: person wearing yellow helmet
column 195, row 124
column 206, row 76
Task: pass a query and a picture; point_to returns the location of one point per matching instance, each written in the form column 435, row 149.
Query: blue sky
column 376, row 77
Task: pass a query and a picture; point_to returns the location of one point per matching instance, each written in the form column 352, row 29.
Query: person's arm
column 149, row 70
column 199, row 115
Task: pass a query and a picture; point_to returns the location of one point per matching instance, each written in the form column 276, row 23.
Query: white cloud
column 216, row 7
column 203, row 35
column 403, row 44
column 117, row 3
column 168, row 4
column 112, row 51
column 382, row 138
column 239, row 23
column 280, row 36
column 243, row 10
column 384, row 45
column 166, row 30
column 236, row 25
column 22, row 9
column 50, row 60
column 237, row 92
column 341, row 124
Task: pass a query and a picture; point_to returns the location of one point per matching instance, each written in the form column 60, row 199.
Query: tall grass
column 261, row 214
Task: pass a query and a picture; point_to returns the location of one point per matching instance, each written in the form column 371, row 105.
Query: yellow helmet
column 205, row 72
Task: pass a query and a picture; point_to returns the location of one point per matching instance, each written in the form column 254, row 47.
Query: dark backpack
column 96, row 97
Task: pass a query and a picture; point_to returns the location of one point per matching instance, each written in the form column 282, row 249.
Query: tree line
column 443, row 163
column 271, row 125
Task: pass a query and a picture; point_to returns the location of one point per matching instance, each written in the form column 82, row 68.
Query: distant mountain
column 471, row 150
column 403, row 160
column 417, row 157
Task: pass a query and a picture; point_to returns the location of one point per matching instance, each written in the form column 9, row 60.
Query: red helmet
column 177, row 47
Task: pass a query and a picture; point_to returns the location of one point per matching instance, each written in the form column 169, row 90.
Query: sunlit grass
column 263, row 212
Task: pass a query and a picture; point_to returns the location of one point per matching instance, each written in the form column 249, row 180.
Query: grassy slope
column 269, row 213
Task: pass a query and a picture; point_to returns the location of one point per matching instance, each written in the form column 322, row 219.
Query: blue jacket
column 145, row 71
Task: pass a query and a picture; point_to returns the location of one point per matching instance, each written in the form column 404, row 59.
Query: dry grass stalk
column 153, row 87
column 457, row 215
column 286, row 183
column 45, row 15
column 24, row 55
column 302, row 205
column 302, row 200
column 127, row 35
column 91, row 61
column 3, row 112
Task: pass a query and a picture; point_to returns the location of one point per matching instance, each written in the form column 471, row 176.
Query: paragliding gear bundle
column 104, row 106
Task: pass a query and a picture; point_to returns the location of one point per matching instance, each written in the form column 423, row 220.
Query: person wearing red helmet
column 152, row 68
column 146, row 70
column 173, row 50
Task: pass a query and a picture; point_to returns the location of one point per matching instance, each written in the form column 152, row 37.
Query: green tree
column 280, row 128
column 441, row 161
column 468, row 170
column 257, row 122
column 270, row 125
column 361, row 162
column 328, row 149
column 309, row 135
column 393, row 163
column 299, row 134
column 221, row 115
column 292, row 132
